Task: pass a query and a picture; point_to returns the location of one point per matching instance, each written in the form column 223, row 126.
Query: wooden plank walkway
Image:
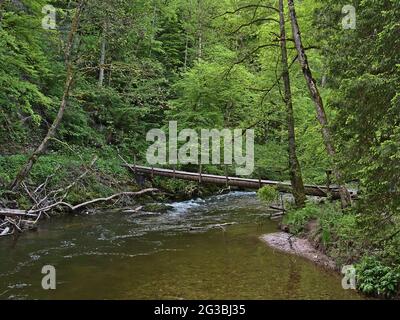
column 246, row 183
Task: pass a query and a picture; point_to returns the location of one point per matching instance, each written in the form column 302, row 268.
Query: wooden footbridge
column 245, row 183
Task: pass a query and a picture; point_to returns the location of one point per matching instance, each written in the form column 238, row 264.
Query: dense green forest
column 326, row 98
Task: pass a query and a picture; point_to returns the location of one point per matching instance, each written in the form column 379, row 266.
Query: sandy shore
column 302, row 247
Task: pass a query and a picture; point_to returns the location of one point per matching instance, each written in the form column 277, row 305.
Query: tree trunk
column 185, row 64
column 295, row 170
column 321, row 115
column 200, row 29
column 102, row 56
column 200, row 48
column 24, row 172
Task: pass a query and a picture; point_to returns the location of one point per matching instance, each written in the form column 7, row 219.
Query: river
column 117, row 255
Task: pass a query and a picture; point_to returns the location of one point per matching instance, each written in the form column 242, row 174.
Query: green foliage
column 25, row 69
column 188, row 61
column 373, row 277
column 341, row 235
column 336, row 230
column 174, row 186
column 365, row 79
column 207, row 100
column 62, row 168
column 297, row 219
column 268, row 194
column 9, row 167
column 271, row 161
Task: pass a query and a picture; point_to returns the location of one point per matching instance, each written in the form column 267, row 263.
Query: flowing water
column 181, row 254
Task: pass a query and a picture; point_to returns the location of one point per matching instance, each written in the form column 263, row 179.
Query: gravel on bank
column 288, row 243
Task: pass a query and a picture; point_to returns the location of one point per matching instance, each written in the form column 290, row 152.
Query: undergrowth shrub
column 298, row 218
column 375, row 278
column 268, row 194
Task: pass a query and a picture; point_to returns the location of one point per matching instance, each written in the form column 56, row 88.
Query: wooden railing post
column 200, row 178
column 226, row 176
column 328, row 179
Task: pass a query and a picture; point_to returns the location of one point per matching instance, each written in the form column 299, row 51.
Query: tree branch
column 249, row 6
column 253, row 22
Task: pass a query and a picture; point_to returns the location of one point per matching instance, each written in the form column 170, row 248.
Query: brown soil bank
column 287, row 242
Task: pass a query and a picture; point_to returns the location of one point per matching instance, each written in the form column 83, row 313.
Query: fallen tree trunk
column 13, row 218
column 5, row 231
column 16, row 213
column 247, row 183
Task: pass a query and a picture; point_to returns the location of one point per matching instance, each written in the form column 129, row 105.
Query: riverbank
column 291, row 244
column 91, row 179
column 329, row 236
column 80, row 180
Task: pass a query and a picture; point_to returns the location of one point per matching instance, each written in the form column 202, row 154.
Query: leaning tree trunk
column 24, row 172
column 321, row 115
column 295, row 169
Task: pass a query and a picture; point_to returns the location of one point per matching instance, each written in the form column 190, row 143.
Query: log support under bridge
column 245, row 183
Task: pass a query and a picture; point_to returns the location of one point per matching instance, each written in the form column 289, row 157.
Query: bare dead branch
column 248, row 55
column 249, row 6
column 254, row 21
column 118, row 195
